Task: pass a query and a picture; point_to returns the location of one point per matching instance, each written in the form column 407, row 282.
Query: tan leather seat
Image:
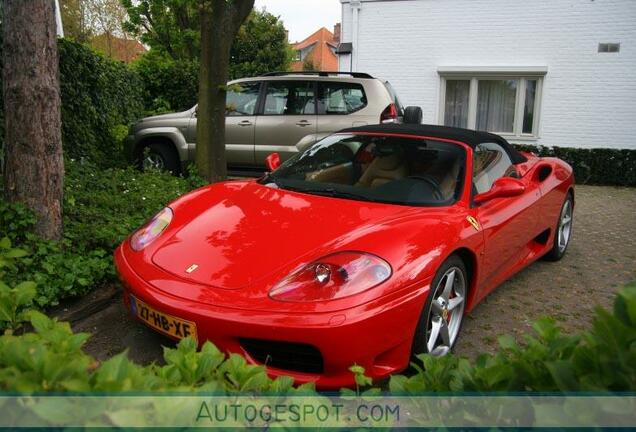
column 448, row 182
column 383, row 169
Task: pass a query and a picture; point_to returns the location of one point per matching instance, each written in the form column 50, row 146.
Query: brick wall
column 589, row 98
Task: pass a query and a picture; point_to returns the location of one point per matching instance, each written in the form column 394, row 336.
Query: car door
column 288, row 115
column 509, row 224
column 240, row 122
column 338, row 102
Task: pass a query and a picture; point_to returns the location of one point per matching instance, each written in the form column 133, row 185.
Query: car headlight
column 151, row 229
column 332, row 277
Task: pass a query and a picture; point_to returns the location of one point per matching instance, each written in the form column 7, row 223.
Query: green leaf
column 25, row 293
column 507, row 342
column 625, row 305
column 5, row 243
column 16, row 253
column 563, row 375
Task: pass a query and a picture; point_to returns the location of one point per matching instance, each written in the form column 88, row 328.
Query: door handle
column 245, row 123
column 303, row 123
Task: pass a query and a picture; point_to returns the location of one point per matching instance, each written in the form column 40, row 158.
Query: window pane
column 456, row 103
column 490, row 162
column 340, row 98
column 241, row 99
column 290, row 98
column 496, row 105
column 528, row 110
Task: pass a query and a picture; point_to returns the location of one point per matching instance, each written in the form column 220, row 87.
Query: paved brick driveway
column 601, row 258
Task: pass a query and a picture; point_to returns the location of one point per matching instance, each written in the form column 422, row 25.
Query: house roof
column 121, row 49
column 467, row 136
column 318, row 48
column 322, row 35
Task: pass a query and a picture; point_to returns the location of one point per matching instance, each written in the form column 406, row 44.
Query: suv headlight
column 151, row 230
column 332, row 277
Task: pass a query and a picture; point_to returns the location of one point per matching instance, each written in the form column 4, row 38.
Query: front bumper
column 377, row 335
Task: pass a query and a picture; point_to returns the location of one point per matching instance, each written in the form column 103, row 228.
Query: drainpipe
column 355, row 9
column 58, row 19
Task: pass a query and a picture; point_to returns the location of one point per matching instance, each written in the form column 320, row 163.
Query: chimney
column 336, row 33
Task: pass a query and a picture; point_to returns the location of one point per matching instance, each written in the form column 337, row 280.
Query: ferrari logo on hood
column 192, row 268
column 471, row 220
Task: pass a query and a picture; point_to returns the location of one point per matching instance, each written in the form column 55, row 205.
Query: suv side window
column 241, row 99
column 490, row 162
column 340, row 98
column 290, row 98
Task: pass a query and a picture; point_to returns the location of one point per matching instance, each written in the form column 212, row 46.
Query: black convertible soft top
column 467, row 136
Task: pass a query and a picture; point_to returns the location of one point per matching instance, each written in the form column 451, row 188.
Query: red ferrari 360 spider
column 368, row 247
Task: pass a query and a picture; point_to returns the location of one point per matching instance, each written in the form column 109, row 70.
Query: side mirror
column 502, row 188
column 272, row 162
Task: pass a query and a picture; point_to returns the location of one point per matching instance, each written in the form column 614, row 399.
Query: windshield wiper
column 331, row 192
column 269, row 178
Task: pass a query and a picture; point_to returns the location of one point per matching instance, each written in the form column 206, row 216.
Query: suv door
column 240, row 123
column 337, row 104
column 288, row 115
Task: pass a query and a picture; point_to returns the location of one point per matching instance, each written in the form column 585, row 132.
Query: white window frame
column 474, row 75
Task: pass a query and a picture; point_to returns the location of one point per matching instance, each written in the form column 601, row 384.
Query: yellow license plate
column 164, row 323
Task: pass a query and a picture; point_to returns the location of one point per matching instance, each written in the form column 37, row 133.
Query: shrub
column 101, row 207
column 13, row 301
column 51, row 359
column 600, row 166
column 601, row 359
column 99, row 96
column 60, row 269
column 168, row 84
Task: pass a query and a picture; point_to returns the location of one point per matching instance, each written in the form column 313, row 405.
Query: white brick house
column 537, row 72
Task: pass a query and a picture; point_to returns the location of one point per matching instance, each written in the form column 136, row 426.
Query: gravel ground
column 601, row 258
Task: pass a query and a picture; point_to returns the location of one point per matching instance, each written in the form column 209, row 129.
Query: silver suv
column 282, row 112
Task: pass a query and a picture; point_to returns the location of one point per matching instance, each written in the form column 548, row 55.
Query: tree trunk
column 220, row 22
column 34, row 167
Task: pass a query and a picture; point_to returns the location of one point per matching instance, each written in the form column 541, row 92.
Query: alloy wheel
column 446, row 312
column 565, row 226
column 154, row 161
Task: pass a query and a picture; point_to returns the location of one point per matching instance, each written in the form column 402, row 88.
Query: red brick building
column 317, row 52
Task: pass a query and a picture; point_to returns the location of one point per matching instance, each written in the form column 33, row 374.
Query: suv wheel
column 160, row 156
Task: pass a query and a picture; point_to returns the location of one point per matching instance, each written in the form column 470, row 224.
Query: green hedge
column 599, row 166
column 100, row 99
column 168, row 84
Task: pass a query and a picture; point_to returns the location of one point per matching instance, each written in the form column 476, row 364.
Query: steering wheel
column 437, row 191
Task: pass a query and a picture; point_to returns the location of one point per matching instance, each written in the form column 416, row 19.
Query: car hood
column 168, row 116
column 235, row 235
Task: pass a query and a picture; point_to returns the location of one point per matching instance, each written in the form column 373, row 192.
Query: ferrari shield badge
column 471, row 220
column 192, row 268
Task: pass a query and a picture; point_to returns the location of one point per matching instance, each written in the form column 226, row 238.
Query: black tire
column 412, row 115
column 557, row 251
column 419, row 345
column 161, row 156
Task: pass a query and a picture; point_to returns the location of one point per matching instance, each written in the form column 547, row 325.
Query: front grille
column 285, row 355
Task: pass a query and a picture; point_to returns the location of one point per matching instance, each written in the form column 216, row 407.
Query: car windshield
column 397, row 170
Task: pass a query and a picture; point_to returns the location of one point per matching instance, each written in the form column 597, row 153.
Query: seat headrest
column 389, row 163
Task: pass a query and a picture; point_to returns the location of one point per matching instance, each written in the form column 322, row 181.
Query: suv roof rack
column 319, row 73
